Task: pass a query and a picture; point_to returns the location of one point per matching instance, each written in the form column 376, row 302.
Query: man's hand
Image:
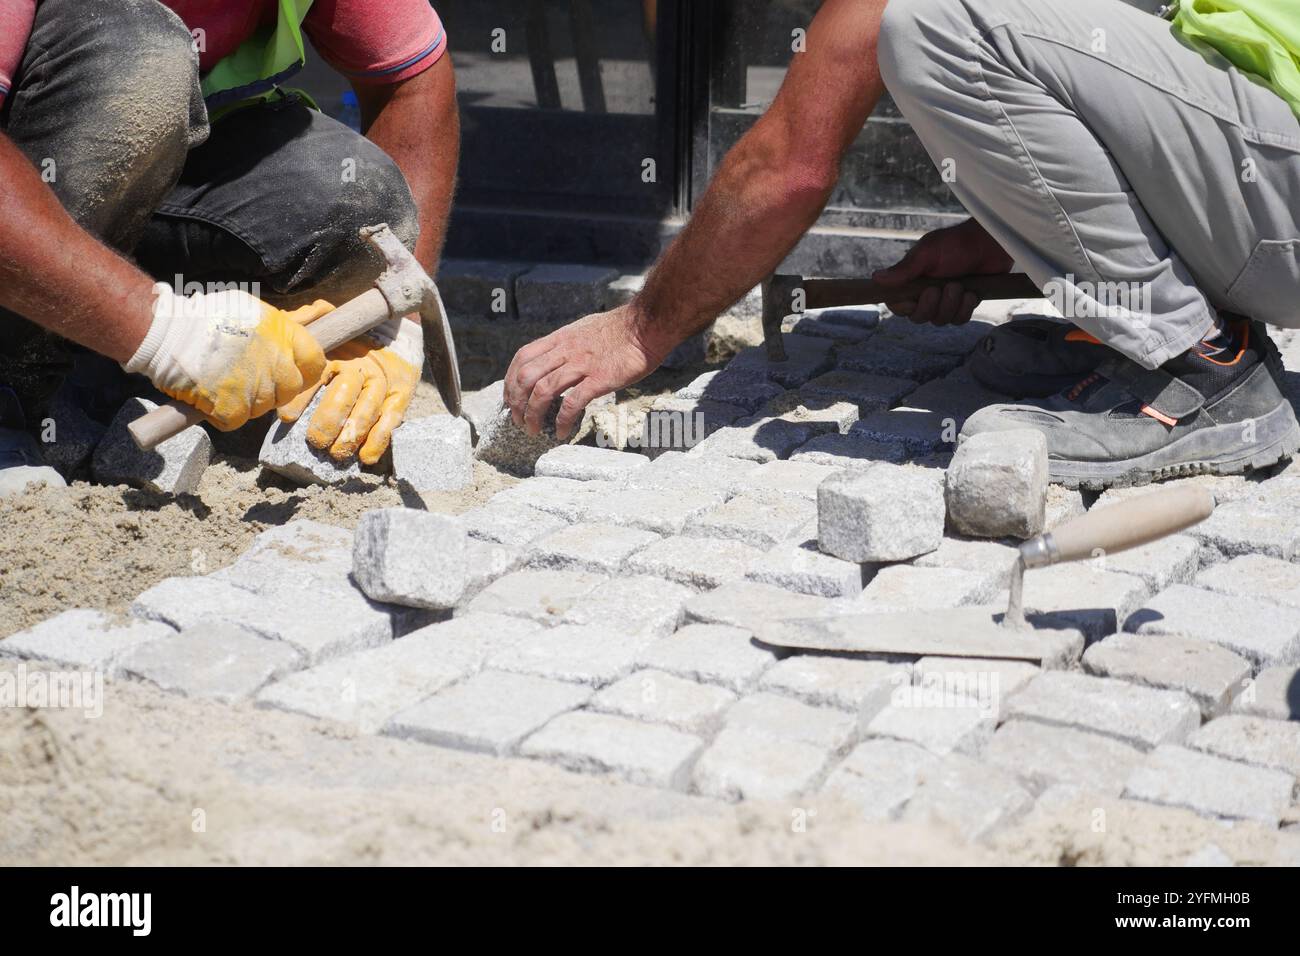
column 368, row 384
column 964, row 249
column 230, row 355
column 584, row 360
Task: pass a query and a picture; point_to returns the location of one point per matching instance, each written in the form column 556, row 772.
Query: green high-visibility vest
column 254, row 72
column 1257, row 36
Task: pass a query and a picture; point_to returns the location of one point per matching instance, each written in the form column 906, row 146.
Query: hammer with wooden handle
column 401, row 289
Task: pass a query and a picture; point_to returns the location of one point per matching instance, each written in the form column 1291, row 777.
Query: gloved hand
column 229, row 354
column 369, row 383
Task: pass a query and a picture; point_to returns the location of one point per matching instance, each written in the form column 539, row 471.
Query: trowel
column 984, row 632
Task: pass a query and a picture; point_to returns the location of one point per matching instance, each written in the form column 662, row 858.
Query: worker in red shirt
column 154, row 154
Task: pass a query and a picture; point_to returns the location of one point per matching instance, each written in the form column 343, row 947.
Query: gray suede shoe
column 1126, row 425
column 1035, row 357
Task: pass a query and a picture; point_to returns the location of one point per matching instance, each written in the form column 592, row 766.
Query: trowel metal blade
column 440, row 351
column 975, row 632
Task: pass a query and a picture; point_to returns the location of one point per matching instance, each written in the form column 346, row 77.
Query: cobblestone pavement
column 610, row 606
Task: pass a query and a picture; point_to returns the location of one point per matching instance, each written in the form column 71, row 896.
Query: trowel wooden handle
column 1116, row 528
column 330, row 331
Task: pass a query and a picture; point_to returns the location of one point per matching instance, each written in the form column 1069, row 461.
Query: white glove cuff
column 165, row 309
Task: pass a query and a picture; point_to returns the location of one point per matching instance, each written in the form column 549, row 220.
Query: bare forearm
column 59, row 276
column 418, row 125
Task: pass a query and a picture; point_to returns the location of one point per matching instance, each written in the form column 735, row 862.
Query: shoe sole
column 1277, row 433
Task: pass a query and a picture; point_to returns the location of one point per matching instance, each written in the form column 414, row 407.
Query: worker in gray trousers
column 1147, row 185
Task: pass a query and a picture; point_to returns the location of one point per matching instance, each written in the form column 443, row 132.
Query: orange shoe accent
column 1078, row 335
column 1245, row 344
column 1159, row 416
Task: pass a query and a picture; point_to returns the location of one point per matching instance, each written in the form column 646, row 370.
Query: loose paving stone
column 969, row 796
column 731, row 388
column 562, row 293
column 1143, row 717
column 823, row 415
column 585, row 463
column 1209, row 673
column 302, row 553
column 862, row 688
column 754, row 607
column 484, row 563
column 604, row 548
column 565, row 498
column 988, row 557
column 512, row 449
column 802, row 567
column 541, row 596
column 760, row 522
column 409, row 557
column 581, row 654
column 938, row 721
column 985, row 679
column 639, row 753
column 888, row 359
column 1274, row 692
column 1258, row 741
column 1247, row 527
column 173, row 467
column 1263, row 632
column 997, row 485
column 218, row 661
column 367, row 688
column 1254, row 576
column 318, row 623
column 286, row 451
column 711, row 654
column 73, row 435
column 766, row 439
column 1083, row 597
column 806, row 358
column 82, row 638
column 698, row 563
column 903, row 587
column 473, row 638
column 1062, row 505
column 679, row 424
column 848, row 451
column 870, row 393
column 739, row 765
column 779, row 717
column 661, row 698
column 1042, row 755
column 957, row 340
column 489, row 713
column 914, row 430
column 434, row 453
column 1171, row 560
column 663, row 512
column 676, row 471
column 510, row 522
column 643, row 604
column 887, row 513
column 481, row 407
column 879, row 776
column 780, row 479
column 1211, row 786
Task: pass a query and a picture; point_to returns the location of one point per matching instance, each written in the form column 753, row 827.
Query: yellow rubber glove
column 229, row 354
column 368, row 384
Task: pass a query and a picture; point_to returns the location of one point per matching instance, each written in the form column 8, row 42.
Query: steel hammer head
column 407, row 288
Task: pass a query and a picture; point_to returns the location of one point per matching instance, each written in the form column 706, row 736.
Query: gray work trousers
column 1104, row 151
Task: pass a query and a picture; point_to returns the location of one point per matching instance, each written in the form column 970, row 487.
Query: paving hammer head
column 402, row 289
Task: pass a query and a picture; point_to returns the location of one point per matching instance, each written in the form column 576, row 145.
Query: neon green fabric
column 1257, row 36
column 254, row 71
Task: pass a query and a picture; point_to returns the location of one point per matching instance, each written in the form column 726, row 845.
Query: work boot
column 1215, row 409
column 21, row 464
column 1035, row 357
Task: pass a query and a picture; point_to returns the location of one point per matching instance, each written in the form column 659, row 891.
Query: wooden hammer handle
column 1131, row 523
column 330, row 331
